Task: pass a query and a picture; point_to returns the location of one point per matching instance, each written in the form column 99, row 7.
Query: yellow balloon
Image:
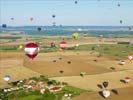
column 75, row 35
column 20, row 46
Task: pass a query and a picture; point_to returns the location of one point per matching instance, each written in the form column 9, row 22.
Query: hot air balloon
column 20, row 47
column 31, row 50
column 121, row 21
column 76, row 2
column 82, row 74
column 130, row 58
column 130, row 28
column 39, row 29
column 31, row 19
column 53, row 16
column 12, row 18
column 127, row 79
column 75, row 35
column 79, row 29
column 52, row 44
column 63, row 45
column 76, row 45
column 4, row 25
column 106, row 93
column 7, row 78
column 118, row 5
column 85, row 34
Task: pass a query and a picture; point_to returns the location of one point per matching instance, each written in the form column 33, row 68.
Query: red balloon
column 63, row 45
column 31, row 50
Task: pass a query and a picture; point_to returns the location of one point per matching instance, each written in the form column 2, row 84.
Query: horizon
column 71, row 26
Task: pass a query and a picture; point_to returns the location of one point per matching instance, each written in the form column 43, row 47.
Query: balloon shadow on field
column 123, row 81
column 101, row 94
column 100, row 86
column 115, row 91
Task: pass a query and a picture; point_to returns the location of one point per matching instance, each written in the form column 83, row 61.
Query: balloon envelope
column 52, row 44
column 53, row 16
column 12, row 18
column 76, row 45
column 7, row 78
column 106, row 93
column 76, row 2
column 121, row 21
column 130, row 28
column 130, row 57
column 20, row 47
column 119, row 5
column 127, row 79
column 79, row 29
column 75, row 35
column 4, row 25
column 85, row 34
column 31, row 50
column 39, row 29
column 63, row 45
column 31, row 19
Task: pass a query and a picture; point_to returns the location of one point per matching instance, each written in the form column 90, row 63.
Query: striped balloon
column 130, row 57
column 63, row 45
column 31, row 50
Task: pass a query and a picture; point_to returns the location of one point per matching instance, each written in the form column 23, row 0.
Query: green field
column 112, row 50
column 35, row 95
column 24, row 94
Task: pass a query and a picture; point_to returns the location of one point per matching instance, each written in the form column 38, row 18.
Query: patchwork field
column 98, row 63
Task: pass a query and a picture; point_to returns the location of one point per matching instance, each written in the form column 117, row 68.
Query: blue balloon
column 4, row 25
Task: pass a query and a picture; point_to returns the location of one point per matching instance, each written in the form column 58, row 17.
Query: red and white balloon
column 63, row 45
column 31, row 50
column 127, row 79
column 130, row 57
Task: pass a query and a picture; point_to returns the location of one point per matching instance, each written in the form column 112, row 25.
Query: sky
column 84, row 13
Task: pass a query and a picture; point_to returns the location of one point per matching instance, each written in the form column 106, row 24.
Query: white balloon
column 6, row 78
column 5, row 90
column 77, row 45
column 106, row 93
column 122, row 62
column 66, row 95
column 79, row 29
column 130, row 57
